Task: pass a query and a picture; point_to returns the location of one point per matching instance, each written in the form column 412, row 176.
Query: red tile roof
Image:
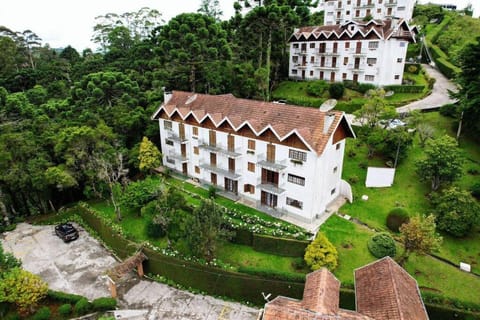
column 284, row 120
column 384, row 290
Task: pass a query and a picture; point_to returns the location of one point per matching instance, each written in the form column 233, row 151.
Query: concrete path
column 79, row 267
column 439, row 95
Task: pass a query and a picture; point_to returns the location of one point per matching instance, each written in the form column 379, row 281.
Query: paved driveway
column 79, row 267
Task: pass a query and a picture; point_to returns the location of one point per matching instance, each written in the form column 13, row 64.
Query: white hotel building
column 284, row 159
column 341, row 11
column 368, row 52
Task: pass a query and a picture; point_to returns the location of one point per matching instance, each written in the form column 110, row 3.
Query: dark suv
column 66, row 232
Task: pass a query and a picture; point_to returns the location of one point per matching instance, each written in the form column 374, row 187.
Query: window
column 345, row 61
column 197, row 169
column 169, row 142
column 194, row 131
column 312, row 45
column 333, row 191
column 294, row 71
column 295, row 59
column 170, row 160
column 369, row 77
column 248, row 188
column 167, row 125
column 321, row 75
column 373, row 45
column 380, row 1
column 344, row 76
column 297, row 155
column 348, row 12
column 195, row 150
column 294, row 203
column 338, row 146
column 312, row 59
column 347, row 45
column 399, row 60
column 251, row 167
column 311, row 73
column 379, row 10
column 251, row 144
column 357, row 13
column 402, row 44
column 401, row 9
column 371, row 61
column 397, row 77
column 295, row 45
column 296, row 179
column 335, row 170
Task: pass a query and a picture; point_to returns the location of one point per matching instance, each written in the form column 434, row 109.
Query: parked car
column 393, row 123
column 66, row 231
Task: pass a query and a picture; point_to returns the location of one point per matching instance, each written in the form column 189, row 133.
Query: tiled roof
column 379, row 29
column 284, row 120
column 384, row 290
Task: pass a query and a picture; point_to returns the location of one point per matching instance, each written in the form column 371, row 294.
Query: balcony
column 328, row 53
column 357, row 68
column 301, row 52
column 177, row 156
column 324, row 67
column 391, row 4
column 359, row 54
column 176, row 138
column 276, row 166
column 270, row 187
column 301, row 66
column 220, row 171
column 218, row 148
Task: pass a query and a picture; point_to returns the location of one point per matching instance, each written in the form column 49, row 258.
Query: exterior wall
column 319, row 178
column 306, row 64
column 340, row 11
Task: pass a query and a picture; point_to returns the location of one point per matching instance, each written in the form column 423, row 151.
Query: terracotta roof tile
column 384, row 290
column 322, row 292
column 282, row 118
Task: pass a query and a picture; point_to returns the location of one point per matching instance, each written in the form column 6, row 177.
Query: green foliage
column 405, row 88
column 336, row 90
column 449, row 110
column 374, row 109
column 272, row 274
column 396, row 217
column 139, row 193
column 155, row 230
column 357, row 86
column 456, row 211
column 149, row 156
column 22, row 288
column 82, row 306
column 43, row 313
column 8, row 261
column 63, row 297
column 321, row 253
column 65, row 309
column 212, row 192
column 442, row 164
column 419, row 235
column 104, row 304
column 317, row 88
column 475, row 190
column 381, row 245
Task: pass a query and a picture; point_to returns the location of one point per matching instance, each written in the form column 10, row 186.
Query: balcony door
column 270, row 152
column 231, row 185
column 269, row 199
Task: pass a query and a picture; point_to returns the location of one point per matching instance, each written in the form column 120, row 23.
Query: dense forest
column 66, row 117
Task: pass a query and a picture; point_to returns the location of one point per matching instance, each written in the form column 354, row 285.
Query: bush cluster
column 396, row 217
column 381, row 245
column 43, row 313
column 104, row 304
column 65, row 309
column 317, row 88
column 272, row 274
column 82, row 306
column 63, row 297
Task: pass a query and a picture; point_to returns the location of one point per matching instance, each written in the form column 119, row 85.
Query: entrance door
column 213, row 178
column 355, row 78
column 231, row 185
column 270, row 152
column 185, row 168
column 269, row 199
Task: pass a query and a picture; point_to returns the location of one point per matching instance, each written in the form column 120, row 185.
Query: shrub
column 396, row 217
column 336, row 90
column 449, row 110
column 364, row 87
column 475, row 190
column 212, row 192
column 353, row 179
column 272, row 274
column 43, row 313
column 317, row 88
column 63, row 297
column 104, row 304
column 154, row 230
column 321, row 253
column 381, row 245
column 82, row 306
column 65, row 309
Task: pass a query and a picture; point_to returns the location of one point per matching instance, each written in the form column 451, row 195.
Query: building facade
column 341, row 11
column 368, row 52
column 282, row 158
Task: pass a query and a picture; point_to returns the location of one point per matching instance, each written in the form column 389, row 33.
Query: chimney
column 329, row 117
column 167, row 95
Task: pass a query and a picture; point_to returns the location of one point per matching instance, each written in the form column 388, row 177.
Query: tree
column 8, row 261
column 443, row 162
column 321, row 253
column 469, row 93
column 381, row 244
column 375, row 109
column 456, row 211
column 138, row 193
column 425, row 132
column 22, row 288
column 149, row 156
column 204, row 230
column 111, row 170
column 211, row 8
column 419, row 236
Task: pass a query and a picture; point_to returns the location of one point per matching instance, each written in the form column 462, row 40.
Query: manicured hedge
column 271, row 274
column 405, row 88
column 243, row 236
column 279, row 246
column 63, row 297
